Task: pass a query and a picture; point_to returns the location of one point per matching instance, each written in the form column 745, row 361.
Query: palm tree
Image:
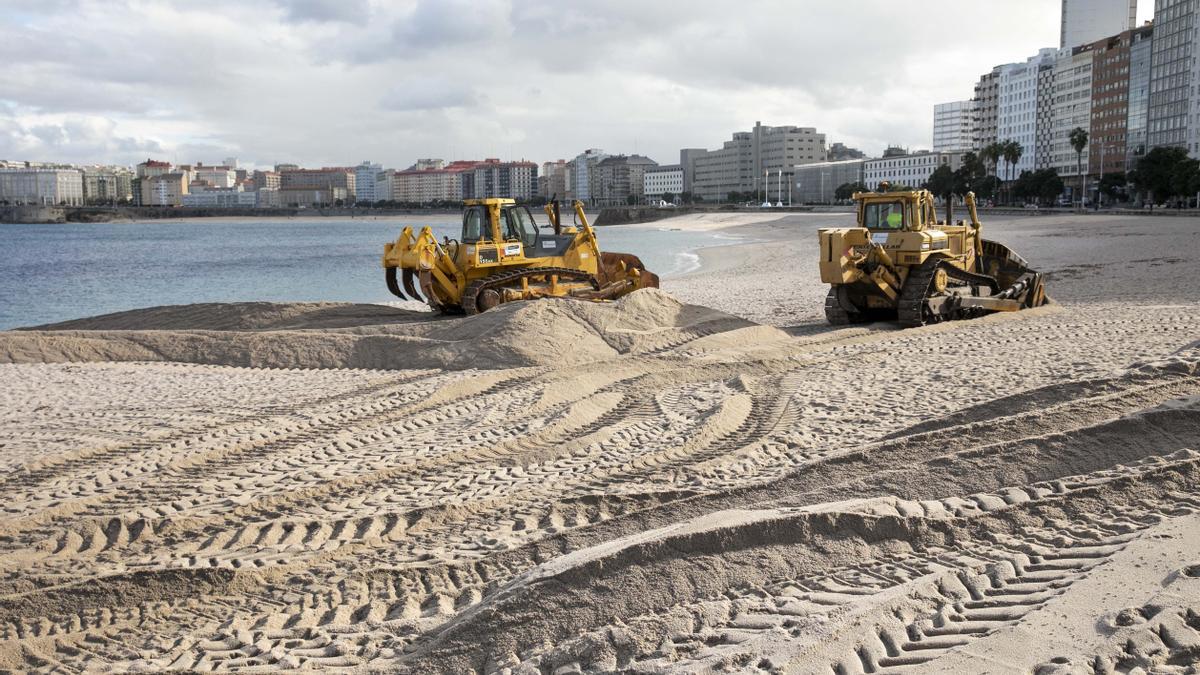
column 1079, row 140
column 992, row 153
column 1012, row 154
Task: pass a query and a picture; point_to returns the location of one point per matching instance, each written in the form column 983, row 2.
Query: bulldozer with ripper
column 901, row 264
column 503, row 256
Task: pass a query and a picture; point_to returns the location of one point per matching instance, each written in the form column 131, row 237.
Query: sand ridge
column 702, row 492
column 336, row 335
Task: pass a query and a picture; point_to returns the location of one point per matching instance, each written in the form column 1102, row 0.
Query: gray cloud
column 318, row 11
column 428, row 93
column 449, row 24
column 335, row 82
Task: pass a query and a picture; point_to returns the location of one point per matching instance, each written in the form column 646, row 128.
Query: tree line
column 1162, row 175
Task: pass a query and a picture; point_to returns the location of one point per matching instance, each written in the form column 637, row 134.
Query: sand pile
column 330, row 335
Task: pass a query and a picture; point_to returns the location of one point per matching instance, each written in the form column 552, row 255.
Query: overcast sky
column 335, row 82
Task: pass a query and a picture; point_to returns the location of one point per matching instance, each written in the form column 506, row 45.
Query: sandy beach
column 702, row 478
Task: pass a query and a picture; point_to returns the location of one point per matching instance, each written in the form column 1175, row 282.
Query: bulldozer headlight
column 925, row 246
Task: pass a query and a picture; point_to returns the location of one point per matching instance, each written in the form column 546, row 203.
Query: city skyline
column 330, row 83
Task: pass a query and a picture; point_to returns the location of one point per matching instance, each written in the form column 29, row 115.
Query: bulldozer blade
column 390, row 275
column 614, row 266
column 426, row 278
column 1013, row 274
column 410, row 288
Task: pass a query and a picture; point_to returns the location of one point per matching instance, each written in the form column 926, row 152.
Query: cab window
column 884, row 215
column 474, row 224
column 520, row 226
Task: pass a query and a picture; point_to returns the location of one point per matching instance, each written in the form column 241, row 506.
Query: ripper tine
column 390, row 275
column 409, row 287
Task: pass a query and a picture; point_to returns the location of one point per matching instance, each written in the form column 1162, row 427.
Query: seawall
column 104, row 214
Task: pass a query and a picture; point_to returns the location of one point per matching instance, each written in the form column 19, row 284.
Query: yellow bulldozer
column 503, row 256
column 901, row 264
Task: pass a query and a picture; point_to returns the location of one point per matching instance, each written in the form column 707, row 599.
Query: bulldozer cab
column 889, row 215
column 897, row 211
column 507, row 223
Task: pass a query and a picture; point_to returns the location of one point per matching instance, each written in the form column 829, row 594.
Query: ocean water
column 57, row 272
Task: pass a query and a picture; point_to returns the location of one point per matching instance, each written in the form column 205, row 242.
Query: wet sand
column 703, row 479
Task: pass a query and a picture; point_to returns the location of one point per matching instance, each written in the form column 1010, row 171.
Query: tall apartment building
column 166, row 189
column 953, row 126
column 1072, row 109
column 493, row 178
column 1043, row 139
column 987, row 108
column 46, row 187
column 365, row 176
column 1137, row 122
column 1017, row 107
column 613, row 180
column 553, row 180
column 1110, row 103
column 743, row 162
column 912, row 169
column 662, row 179
column 1086, row 21
column 1172, row 53
column 581, row 174
column 107, row 185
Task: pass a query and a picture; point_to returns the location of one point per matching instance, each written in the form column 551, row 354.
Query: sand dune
column 645, row 486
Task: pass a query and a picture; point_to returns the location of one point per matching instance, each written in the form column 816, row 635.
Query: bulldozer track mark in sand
column 251, row 421
column 246, row 444
column 529, row 518
column 1013, row 551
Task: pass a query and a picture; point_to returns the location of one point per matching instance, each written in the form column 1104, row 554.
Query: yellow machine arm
column 422, row 256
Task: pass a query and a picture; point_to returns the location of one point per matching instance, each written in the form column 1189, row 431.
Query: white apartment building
column 423, row 185
column 365, row 177
column 658, row 180
column 1017, row 108
column 221, row 199
column 953, row 126
column 493, row 178
column 219, row 177
column 911, row 170
column 1072, row 92
column 47, row 187
column 1085, row 21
